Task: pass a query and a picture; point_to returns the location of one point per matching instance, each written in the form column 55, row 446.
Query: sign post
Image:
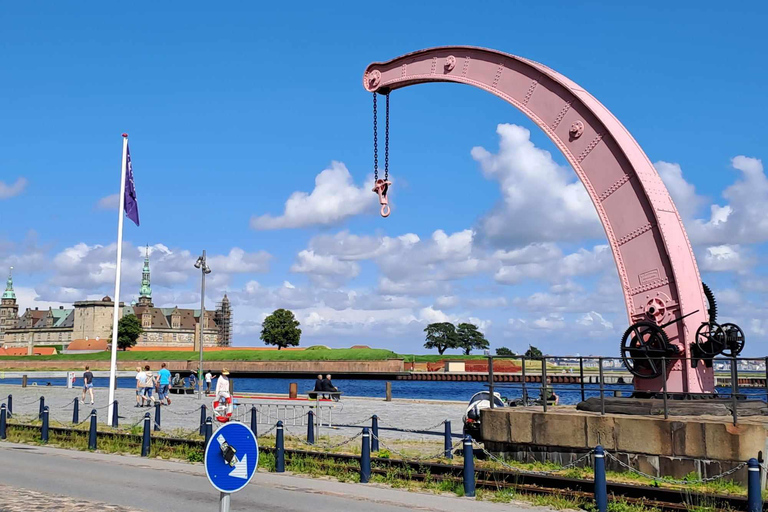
column 231, row 459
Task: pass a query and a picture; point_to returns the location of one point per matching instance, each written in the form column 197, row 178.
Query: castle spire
column 9, row 293
column 145, row 294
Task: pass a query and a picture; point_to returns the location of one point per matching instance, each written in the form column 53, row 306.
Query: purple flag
column 131, row 205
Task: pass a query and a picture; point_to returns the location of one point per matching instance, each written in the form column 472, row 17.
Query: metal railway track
column 663, row 498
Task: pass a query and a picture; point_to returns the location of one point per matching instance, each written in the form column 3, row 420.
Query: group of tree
column 444, row 335
column 531, row 353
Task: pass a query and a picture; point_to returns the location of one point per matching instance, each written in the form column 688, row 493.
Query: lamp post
column 203, row 266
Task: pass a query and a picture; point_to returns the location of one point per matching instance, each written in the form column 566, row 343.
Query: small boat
column 478, row 402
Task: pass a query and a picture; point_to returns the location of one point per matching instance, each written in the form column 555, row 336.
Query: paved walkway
column 422, row 418
column 48, row 479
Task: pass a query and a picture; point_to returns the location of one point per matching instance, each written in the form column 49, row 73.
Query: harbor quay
column 400, row 419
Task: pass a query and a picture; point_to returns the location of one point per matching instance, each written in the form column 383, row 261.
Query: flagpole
column 115, row 314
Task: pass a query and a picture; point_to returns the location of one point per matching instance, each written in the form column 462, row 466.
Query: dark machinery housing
column 645, row 345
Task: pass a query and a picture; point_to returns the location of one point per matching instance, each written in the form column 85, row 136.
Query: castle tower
column 145, row 294
column 9, row 310
column 223, row 318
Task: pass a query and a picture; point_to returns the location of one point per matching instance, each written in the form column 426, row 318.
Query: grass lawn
column 338, row 354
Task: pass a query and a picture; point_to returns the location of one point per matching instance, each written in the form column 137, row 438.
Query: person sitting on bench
column 327, row 385
column 318, row 387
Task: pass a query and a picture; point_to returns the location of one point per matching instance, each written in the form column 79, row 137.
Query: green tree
column 504, row 351
column 471, row 338
column 281, row 328
column 442, row 336
column 128, row 332
column 533, row 353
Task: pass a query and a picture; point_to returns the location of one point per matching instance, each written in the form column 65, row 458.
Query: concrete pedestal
column 675, row 447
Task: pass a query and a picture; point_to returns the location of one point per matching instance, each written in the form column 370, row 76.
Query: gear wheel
column 642, row 347
column 711, row 304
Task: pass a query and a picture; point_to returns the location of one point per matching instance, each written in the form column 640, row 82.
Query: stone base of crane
column 699, row 406
column 676, row 447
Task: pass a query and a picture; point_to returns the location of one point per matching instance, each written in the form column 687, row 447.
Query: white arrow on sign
column 241, row 468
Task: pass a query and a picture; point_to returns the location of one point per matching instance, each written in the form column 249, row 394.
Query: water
column 569, row 394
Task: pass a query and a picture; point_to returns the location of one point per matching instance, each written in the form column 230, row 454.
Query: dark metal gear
column 734, row 340
column 711, row 304
column 643, row 346
column 710, row 342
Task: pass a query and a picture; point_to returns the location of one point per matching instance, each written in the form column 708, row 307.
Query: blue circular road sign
column 231, row 457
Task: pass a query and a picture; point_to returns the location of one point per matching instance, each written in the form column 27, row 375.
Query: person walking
column 88, row 383
column 149, row 386
column 141, row 379
column 208, row 380
column 164, row 384
column 222, row 384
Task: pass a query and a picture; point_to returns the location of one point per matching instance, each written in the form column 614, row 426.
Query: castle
column 92, row 319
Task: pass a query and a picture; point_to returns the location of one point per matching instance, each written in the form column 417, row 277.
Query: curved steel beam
column 656, row 264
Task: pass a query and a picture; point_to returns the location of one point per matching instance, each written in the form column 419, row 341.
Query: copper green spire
column 146, row 289
column 9, row 293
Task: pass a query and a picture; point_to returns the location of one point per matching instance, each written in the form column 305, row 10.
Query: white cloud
column 447, row 301
column 334, row 198
column 541, row 200
column 683, row 193
column 110, row 202
column 324, row 269
column 8, row 191
column 550, row 322
column 726, row 258
column 240, row 262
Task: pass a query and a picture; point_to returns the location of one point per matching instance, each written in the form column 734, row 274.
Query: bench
column 335, row 395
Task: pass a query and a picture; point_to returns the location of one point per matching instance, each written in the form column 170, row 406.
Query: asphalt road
column 43, row 478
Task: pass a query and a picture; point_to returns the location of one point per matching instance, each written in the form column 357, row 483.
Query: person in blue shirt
column 164, row 384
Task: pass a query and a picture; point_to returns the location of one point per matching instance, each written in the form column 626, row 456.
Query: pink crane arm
column 656, row 265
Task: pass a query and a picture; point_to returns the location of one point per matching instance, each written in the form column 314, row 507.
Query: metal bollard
column 754, row 497
column 469, row 468
column 601, row 492
column 208, row 430
column 202, row 419
column 365, row 458
column 254, row 421
column 44, row 428
column 3, row 419
column 375, row 433
column 310, row 427
column 114, row 414
column 447, row 442
column 10, row 405
column 146, row 438
column 76, row 412
column 42, row 406
column 92, row 431
column 279, row 449
column 157, row 416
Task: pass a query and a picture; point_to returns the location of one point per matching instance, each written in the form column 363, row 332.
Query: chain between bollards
column 601, row 491
column 365, row 457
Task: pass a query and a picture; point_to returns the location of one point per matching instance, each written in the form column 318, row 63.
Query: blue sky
column 233, row 109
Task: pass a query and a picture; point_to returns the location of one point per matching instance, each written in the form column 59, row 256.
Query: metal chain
column 326, row 447
column 570, row 465
column 437, row 455
column 375, row 142
column 673, row 481
column 268, row 431
column 411, row 430
column 176, row 413
column 386, row 143
column 357, row 423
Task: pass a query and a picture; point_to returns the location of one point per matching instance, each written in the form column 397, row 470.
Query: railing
column 542, row 381
column 288, row 413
